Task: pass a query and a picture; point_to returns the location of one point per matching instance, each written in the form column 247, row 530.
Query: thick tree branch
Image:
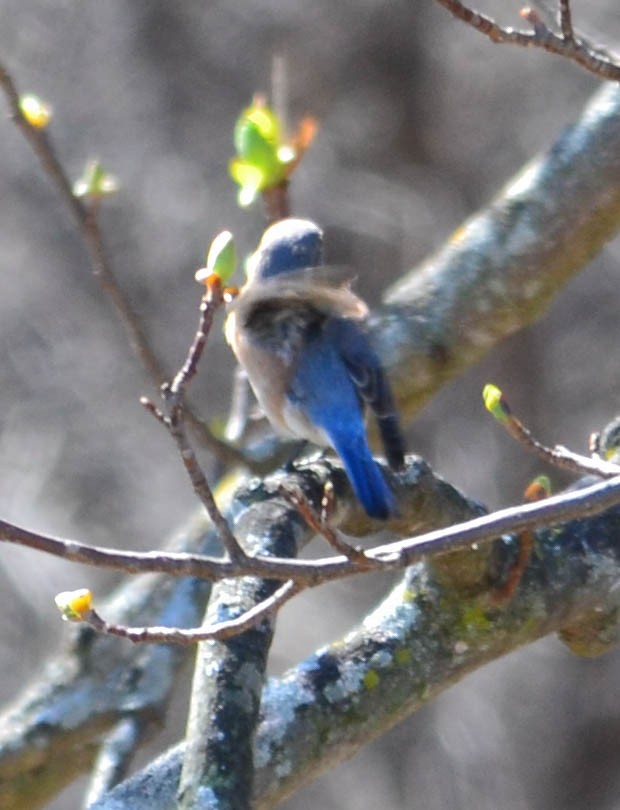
column 498, row 273
column 433, row 502
column 228, row 682
column 424, row 637
column 39, row 732
column 502, row 268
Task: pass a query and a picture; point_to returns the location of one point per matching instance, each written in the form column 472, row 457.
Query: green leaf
column 494, row 402
column 222, row 256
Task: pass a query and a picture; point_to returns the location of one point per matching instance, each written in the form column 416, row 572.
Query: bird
column 304, row 344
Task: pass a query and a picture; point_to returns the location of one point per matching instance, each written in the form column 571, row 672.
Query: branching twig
column 580, row 503
column 566, row 44
column 315, row 522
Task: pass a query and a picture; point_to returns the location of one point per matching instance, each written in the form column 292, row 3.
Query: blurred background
column 422, row 121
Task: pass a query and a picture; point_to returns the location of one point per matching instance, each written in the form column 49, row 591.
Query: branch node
column 318, row 524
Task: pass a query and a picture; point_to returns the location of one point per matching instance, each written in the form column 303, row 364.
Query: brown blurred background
column 422, row 121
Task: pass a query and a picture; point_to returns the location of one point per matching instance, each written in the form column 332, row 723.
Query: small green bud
column 494, row 403
column 95, row 182
column 36, row 111
column 221, row 258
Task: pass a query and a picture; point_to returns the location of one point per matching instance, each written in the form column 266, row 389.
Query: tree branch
column 502, row 268
column 174, row 395
column 567, row 44
column 62, row 697
column 390, row 556
column 228, row 680
column 53, row 731
column 88, row 228
column 422, row 638
column 499, row 272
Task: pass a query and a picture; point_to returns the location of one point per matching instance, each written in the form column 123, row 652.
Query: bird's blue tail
column 366, row 477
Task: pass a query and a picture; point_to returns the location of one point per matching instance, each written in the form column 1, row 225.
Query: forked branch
column 566, row 42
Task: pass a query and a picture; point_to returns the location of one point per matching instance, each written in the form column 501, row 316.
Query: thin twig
column 508, row 589
column 276, row 201
column 577, row 49
column 296, row 498
column 571, row 505
column 566, row 23
column 86, row 219
column 87, row 222
column 174, row 396
column 221, row 630
column 536, row 491
column 558, row 456
column 211, row 302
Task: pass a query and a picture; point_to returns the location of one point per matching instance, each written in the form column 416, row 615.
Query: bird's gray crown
column 288, row 245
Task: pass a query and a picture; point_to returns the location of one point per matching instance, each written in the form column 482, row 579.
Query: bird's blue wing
column 370, row 380
column 323, row 389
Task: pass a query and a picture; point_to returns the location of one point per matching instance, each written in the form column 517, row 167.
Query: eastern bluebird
column 308, row 357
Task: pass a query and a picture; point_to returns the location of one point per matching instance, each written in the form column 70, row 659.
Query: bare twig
column 86, row 219
column 85, row 216
column 174, row 395
column 507, row 590
column 220, row 630
column 211, row 302
column 571, row 505
column 558, row 456
column 566, row 44
column 566, row 23
column 296, row 498
column 536, row 491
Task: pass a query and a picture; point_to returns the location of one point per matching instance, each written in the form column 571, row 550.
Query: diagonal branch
column 87, row 223
column 174, row 421
column 88, row 228
column 503, row 267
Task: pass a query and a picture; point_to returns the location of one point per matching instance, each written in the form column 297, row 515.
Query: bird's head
column 286, row 246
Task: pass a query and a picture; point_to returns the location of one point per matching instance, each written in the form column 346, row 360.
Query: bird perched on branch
column 303, row 343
